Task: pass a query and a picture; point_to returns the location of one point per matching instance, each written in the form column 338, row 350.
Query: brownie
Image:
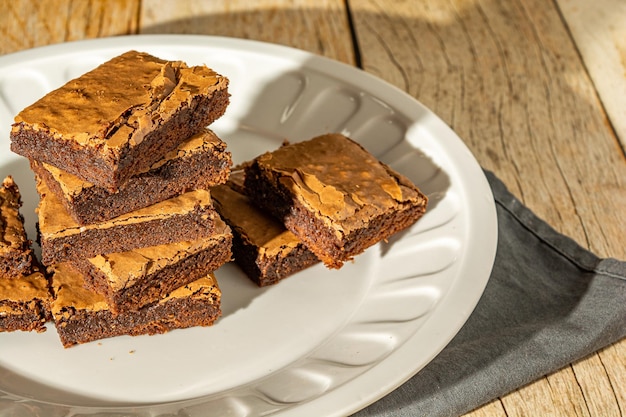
column 24, row 295
column 188, row 216
column 131, row 279
column 334, row 195
column 16, row 255
column 24, row 303
column 198, row 163
column 82, row 315
column 262, row 247
column 117, row 120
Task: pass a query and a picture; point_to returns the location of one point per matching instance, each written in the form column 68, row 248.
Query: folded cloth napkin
column 548, row 302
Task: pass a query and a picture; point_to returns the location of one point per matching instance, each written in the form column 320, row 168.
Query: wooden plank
column 613, row 360
column 27, row 24
column 538, row 399
column 492, row 409
column 568, row 394
column 320, row 27
column 596, row 383
column 599, row 29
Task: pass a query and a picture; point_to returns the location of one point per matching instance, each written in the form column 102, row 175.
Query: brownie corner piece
column 116, row 120
column 334, row 195
column 24, row 303
column 16, row 254
column 24, row 295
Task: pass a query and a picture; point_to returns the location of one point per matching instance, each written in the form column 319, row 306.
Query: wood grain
column 594, row 383
column 599, row 29
column 30, row 23
column 320, row 27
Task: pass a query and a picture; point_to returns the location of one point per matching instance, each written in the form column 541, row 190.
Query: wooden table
column 536, row 89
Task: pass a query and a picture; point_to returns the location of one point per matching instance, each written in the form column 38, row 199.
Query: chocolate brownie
column 82, row 316
column 16, row 255
column 131, row 279
column 334, row 195
column 117, row 120
column 198, row 163
column 188, row 216
column 24, row 303
column 262, row 247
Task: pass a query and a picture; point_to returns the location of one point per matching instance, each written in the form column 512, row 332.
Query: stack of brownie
column 325, row 199
column 124, row 161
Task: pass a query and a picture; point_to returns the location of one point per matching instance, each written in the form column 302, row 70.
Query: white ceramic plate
column 319, row 343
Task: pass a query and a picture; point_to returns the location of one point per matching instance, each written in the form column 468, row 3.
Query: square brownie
column 24, row 303
column 131, row 279
column 262, row 247
column 117, row 120
column 82, row 315
column 16, row 255
column 188, row 216
column 334, row 195
column 200, row 162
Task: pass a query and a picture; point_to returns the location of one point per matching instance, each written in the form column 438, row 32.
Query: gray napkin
column 548, row 303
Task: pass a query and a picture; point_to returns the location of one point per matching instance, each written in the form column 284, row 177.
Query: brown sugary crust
column 117, row 120
column 120, row 234
column 157, row 284
column 311, row 186
column 112, row 171
column 16, row 254
column 92, row 204
column 190, row 226
column 83, row 317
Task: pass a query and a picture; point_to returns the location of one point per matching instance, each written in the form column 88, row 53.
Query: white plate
column 319, row 343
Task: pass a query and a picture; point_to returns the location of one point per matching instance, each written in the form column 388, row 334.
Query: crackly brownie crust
column 131, row 279
column 262, row 247
column 200, row 162
column 334, row 195
column 120, row 118
column 82, row 315
column 185, row 217
column 16, row 255
column 24, row 303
